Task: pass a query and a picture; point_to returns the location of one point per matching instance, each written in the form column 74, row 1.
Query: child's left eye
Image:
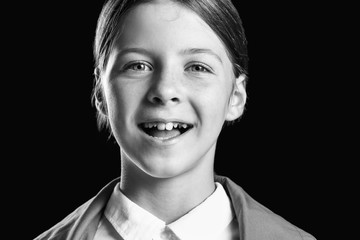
column 198, row 68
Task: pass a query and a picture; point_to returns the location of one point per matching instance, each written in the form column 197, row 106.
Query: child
column 169, row 74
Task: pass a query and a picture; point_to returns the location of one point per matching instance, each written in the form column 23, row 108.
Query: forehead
column 166, row 26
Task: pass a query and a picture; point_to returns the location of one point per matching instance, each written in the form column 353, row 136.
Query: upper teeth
column 166, row 126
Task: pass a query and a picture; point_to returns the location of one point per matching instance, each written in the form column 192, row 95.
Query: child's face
column 168, row 69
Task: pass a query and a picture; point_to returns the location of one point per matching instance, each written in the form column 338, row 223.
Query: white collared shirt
column 212, row 219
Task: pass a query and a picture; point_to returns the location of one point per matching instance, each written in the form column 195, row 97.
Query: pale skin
column 169, row 67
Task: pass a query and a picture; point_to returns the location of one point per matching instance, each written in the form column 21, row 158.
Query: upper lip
column 164, row 120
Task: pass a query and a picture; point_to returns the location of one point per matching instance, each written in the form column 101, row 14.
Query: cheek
column 120, row 100
column 113, row 99
column 213, row 105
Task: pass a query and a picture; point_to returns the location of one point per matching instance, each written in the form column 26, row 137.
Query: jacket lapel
column 87, row 224
column 237, row 202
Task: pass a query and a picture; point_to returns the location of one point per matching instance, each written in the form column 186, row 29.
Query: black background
column 280, row 152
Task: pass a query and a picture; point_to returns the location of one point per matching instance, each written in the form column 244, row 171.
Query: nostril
column 175, row 99
column 158, row 100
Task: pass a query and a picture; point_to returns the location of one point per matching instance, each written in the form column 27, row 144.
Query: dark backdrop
column 278, row 152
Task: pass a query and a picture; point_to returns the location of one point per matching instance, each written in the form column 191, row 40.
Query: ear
column 237, row 99
column 99, row 100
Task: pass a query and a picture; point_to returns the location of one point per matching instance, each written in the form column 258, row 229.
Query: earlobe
column 237, row 99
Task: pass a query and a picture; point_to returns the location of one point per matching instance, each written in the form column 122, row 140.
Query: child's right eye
column 138, row 67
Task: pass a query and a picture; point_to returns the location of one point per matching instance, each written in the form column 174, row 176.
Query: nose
column 164, row 89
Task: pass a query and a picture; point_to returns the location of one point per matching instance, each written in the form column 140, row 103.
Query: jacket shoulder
column 258, row 222
column 81, row 223
column 265, row 224
column 61, row 230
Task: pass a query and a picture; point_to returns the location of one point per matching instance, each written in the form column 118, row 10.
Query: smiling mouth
column 162, row 130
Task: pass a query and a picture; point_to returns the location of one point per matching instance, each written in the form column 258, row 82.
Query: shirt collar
column 207, row 220
column 130, row 220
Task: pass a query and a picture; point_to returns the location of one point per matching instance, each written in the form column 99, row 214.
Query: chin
column 168, row 167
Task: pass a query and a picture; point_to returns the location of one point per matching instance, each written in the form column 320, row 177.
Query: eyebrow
column 192, row 51
column 133, row 50
column 187, row 51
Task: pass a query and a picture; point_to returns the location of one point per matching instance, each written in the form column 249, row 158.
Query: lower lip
column 165, row 141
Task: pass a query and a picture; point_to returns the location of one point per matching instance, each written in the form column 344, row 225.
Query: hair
column 221, row 15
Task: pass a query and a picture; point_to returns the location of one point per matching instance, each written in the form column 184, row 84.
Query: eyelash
column 130, row 66
column 133, row 67
column 204, row 67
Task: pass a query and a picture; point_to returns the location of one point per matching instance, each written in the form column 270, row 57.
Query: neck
column 167, row 198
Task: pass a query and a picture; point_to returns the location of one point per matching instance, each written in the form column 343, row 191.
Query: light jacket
column 256, row 222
